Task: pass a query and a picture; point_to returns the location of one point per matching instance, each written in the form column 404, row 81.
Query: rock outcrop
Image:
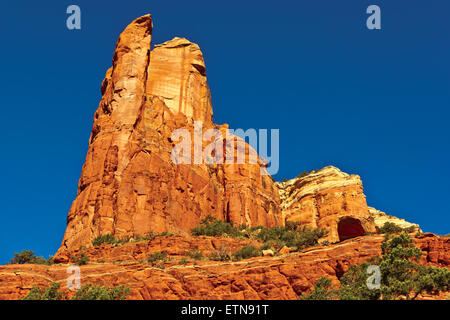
column 280, row 277
column 330, row 199
column 380, row 218
column 129, row 183
column 177, row 76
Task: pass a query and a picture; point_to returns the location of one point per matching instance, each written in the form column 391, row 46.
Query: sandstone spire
column 128, row 184
column 177, row 75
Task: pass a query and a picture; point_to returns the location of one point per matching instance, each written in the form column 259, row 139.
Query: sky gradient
column 373, row 103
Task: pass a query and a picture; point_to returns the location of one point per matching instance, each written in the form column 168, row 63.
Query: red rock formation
column 280, row 277
column 129, row 183
column 330, row 199
column 177, row 76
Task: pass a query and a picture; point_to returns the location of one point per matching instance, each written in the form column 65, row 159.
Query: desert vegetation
column 210, row 226
column 28, row 256
column 86, row 292
column 291, row 235
column 80, row 260
column 246, row 252
column 157, row 259
column 110, row 239
column 401, row 276
column 222, row 254
column 392, row 228
column 195, row 254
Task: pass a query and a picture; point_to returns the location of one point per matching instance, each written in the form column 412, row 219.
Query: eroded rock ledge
column 281, row 277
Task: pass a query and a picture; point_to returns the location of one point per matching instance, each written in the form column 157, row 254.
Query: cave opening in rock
column 349, row 228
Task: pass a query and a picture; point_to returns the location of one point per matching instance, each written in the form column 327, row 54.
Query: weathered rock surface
column 129, row 183
column 280, row 277
column 330, row 199
column 175, row 246
column 380, row 218
column 177, row 76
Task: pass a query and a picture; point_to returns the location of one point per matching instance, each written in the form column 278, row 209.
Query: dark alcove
column 349, row 228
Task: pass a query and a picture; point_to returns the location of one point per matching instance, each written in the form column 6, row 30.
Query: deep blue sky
column 373, row 103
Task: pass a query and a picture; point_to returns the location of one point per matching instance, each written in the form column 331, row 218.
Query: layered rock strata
column 330, row 199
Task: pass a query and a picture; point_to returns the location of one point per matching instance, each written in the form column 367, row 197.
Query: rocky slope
column 281, row 277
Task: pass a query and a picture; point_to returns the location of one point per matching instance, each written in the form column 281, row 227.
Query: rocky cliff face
column 129, row 184
column 330, row 199
column 177, row 75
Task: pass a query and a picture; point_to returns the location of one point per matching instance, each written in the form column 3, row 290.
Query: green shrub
column 110, row 239
column 51, row 293
column 210, row 226
column 304, row 174
column 354, row 284
column 151, row 236
column 148, row 236
column 183, row 261
column 157, row 258
column 410, row 229
column 243, row 227
column 308, row 238
column 389, row 228
column 195, row 254
column 90, row 292
column 164, row 234
column 290, row 235
column 401, row 276
column 28, row 256
column 322, row 291
column 86, row 292
column 246, row 252
column 80, row 260
column 265, row 246
column 106, row 238
column 220, row 255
